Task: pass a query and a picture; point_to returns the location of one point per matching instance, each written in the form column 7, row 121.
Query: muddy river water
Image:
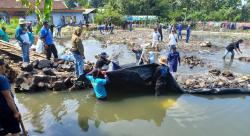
column 79, row 114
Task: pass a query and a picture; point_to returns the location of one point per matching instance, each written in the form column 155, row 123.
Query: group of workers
column 174, row 36
column 25, row 39
column 9, row 114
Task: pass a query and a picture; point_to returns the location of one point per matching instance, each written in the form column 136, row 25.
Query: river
column 79, row 114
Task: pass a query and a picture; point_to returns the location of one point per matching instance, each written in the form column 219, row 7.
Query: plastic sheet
column 138, row 78
column 218, row 91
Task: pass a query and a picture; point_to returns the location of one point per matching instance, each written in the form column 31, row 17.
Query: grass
column 11, row 28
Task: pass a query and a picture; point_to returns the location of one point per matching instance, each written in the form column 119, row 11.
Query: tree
column 75, row 3
column 71, row 3
column 97, row 3
column 43, row 14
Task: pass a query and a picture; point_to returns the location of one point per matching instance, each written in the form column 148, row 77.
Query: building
column 61, row 13
column 89, row 15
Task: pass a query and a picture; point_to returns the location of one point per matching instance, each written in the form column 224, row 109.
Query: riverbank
column 198, row 58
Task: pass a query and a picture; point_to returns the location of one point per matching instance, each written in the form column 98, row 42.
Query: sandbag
column 39, row 46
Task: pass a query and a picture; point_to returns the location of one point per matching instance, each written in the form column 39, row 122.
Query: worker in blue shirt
column 47, row 38
column 179, row 31
column 188, row 33
column 98, row 84
column 173, row 60
column 9, row 114
column 24, row 40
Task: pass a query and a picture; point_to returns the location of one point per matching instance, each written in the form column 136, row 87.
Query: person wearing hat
column 174, row 59
column 9, row 114
column 78, row 51
column 47, row 38
column 23, row 39
column 103, row 62
column 160, row 76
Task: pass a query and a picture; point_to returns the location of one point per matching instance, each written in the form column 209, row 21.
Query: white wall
column 57, row 17
column 91, row 17
column 31, row 17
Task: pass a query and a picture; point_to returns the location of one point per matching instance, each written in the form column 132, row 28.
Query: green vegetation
column 180, row 10
column 11, row 28
column 74, row 3
column 108, row 12
column 41, row 15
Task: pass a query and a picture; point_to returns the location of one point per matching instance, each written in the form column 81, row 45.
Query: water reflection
column 78, row 113
column 45, row 110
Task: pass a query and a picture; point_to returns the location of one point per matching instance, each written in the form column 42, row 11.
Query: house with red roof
column 60, row 13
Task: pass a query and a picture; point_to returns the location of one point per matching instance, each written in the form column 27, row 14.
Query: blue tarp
column 140, row 18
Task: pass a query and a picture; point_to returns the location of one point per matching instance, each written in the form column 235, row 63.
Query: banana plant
column 42, row 14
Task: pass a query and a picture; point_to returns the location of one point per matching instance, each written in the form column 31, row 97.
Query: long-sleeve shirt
column 19, row 32
column 232, row 46
column 188, row 30
column 77, row 46
column 179, row 28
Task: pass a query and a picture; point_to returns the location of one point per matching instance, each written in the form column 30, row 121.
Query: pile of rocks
column 214, row 79
column 11, row 73
column 47, row 75
column 192, row 61
column 136, row 37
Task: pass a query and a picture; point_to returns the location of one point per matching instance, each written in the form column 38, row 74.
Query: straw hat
column 163, row 60
column 22, row 21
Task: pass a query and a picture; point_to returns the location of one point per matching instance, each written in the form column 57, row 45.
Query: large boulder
column 58, row 86
column 228, row 74
column 44, row 64
column 206, row 44
column 246, row 59
column 215, row 72
column 48, row 71
column 35, row 63
column 27, row 67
